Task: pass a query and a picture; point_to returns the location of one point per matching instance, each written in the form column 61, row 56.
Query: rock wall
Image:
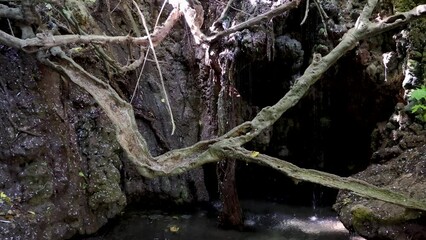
column 399, row 144
column 61, row 170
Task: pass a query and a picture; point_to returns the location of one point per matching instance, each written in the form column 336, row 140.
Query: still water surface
column 264, row 221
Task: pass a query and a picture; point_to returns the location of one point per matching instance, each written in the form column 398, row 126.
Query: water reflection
column 264, row 220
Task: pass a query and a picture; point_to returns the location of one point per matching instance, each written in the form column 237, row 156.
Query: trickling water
column 263, row 220
column 314, row 201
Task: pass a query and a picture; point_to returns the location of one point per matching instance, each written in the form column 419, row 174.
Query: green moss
column 403, row 5
column 408, row 214
column 38, row 182
column 361, row 216
column 362, row 213
column 184, row 195
column 107, row 194
column 417, row 35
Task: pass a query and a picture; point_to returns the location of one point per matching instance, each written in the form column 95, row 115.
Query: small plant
column 4, row 198
column 418, row 98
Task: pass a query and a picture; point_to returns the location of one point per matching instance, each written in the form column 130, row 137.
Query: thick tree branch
column 358, row 187
column 269, row 115
column 181, row 160
column 397, row 20
column 44, row 41
column 118, row 111
column 367, row 11
column 177, row 161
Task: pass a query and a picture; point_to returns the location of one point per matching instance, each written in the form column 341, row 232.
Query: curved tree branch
column 181, row 160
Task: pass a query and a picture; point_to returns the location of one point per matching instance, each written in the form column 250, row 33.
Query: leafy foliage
column 418, row 97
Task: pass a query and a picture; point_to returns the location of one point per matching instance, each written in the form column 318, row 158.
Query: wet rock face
column 100, row 172
column 61, row 170
column 377, row 220
column 59, row 163
column 398, row 145
column 400, row 165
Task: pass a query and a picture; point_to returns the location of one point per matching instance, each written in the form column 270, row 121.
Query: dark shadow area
column 262, row 83
column 328, row 130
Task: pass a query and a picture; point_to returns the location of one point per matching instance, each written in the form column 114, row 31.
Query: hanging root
column 166, row 98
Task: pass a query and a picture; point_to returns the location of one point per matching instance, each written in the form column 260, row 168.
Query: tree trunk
column 228, row 115
column 231, row 215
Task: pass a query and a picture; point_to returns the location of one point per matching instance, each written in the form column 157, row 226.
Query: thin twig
column 323, row 16
column 253, row 21
column 116, row 6
column 146, row 54
column 321, row 10
column 99, row 50
column 234, row 8
column 225, row 10
column 159, row 14
column 306, row 13
column 140, row 76
column 10, row 27
column 166, row 98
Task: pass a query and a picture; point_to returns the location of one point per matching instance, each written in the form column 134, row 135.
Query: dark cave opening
column 262, row 83
column 328, row 130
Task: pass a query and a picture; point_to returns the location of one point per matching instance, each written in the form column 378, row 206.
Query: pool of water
column 263, row 220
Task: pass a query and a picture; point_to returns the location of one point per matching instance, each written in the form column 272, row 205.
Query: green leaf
column 81, row 174
column 419, row 94
column 417, row 108
column 4, row 198
column 254, row 154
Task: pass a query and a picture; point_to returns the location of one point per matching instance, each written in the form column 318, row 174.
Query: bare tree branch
column 43, row 41
column 253, row 21
column 394, row 21
column 357, row 186
column 181, row 160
